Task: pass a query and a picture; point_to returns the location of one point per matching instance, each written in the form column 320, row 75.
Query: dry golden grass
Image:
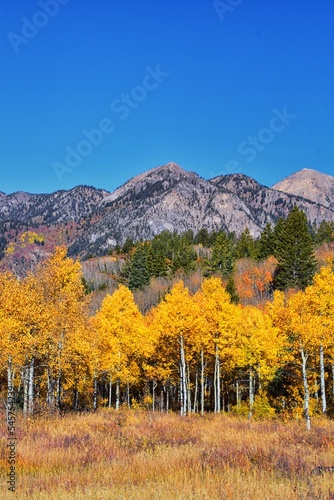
column 139, row 455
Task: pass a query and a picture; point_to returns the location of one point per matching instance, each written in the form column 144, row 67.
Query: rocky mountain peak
column 309, row 184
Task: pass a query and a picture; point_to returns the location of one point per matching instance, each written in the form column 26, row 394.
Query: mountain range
column 165, row 197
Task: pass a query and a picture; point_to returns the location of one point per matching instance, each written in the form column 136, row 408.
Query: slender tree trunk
column 109, row 395
column 167, row 399
column 196, row 392
column 202, row 382
column 75, row 399
column 188, row 390
column 251, row 392
column 128, row 394
column 322, row 380
column 162, row 399
column 306, row 389
column 50, row 397
column 95, row 393
column 217, row 381
column 237, row 394
column 333, row 379
column 31, row 386
column 25, row 375
column 154, row 386
column 59, row 390
column 117, row 394
column 183, row 394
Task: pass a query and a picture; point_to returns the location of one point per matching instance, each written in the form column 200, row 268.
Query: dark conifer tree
column 265, row 243
column 138, row 272
column 222, row 256
column 294, row 252
column 232, row 290
column 245, row 247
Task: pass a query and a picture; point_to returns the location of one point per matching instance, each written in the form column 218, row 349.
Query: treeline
column 190, row 353
column 291, row 242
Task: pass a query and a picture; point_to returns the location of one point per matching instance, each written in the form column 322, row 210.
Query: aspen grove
column 191, row 353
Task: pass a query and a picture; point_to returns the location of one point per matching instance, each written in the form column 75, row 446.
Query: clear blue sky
column 218, row 74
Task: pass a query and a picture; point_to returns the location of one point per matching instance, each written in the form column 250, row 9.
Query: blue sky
column 97, row 92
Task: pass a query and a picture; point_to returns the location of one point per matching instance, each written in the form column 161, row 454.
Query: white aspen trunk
column 109, row 395
column 167, row 399
column 181, row 392
column 183, row 379
column 188, row 389
column 306, row 389
column 117, row 394
column 128, row 394
column 59, row 390
column 162, row 400
column 322, row 380
column 251, row 393
column 31, row 386
column 196, row 393
column 237, row 394
column 25, row 376
column 95, row 393
column 50, row 389
column 202, row 382
column 154, row 386
column 217, row 385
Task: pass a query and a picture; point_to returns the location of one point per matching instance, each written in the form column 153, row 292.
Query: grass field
column 140, row 455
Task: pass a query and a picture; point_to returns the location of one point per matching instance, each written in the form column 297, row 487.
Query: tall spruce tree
column 222, row 256
column 245, row 247
column 138, row 270
column 294, row 252
column 266, row 243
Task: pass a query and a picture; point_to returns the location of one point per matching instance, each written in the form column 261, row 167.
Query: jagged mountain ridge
column 166, row 197
column 267, row 204
column 54, row 208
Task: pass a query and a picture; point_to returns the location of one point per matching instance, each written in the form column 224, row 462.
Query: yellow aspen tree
column 320, row 299
column 303, row 337
column 220, row 330
column 60, row 279
column 176, row 322
column 262, row 344
column 124, row 337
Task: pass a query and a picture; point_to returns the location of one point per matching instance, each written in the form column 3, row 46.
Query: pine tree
column 245, row 247
column 232, row 291
column 294, row 252
column 138, row 272
column 266, row 243
column 222, row 255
